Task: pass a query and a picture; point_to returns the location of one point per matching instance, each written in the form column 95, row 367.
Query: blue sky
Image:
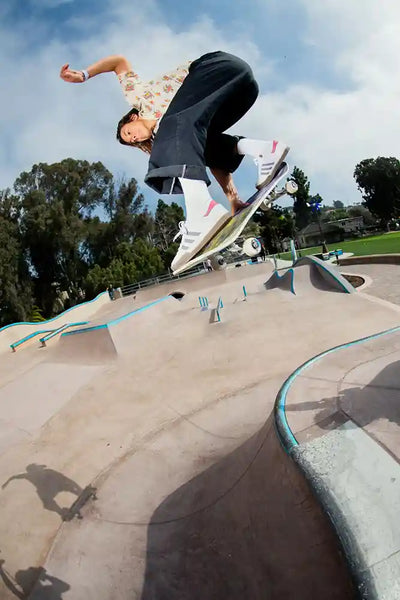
column 327, row 73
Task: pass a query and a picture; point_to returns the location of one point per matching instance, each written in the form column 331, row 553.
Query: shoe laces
column 183, row 230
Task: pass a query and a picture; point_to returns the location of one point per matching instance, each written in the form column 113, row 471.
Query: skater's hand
column 70, row 75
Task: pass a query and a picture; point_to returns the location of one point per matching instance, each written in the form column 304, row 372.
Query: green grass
column 389, row 243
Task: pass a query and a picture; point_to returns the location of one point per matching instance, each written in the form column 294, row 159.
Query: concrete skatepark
column 153, row 454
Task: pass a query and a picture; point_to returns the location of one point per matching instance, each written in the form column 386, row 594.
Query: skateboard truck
column 290, row 188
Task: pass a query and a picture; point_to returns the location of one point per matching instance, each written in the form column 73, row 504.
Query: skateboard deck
column 232, row 229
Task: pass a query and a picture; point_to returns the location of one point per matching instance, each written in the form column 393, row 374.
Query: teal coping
column 116, row 321
column 54, row 318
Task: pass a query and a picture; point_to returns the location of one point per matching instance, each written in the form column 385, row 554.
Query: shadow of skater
column 246, row 528
column 48, row 484
column 45, row 586
column 378, row 399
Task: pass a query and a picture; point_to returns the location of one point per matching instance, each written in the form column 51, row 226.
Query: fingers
column 71, row 75
column 63, row 69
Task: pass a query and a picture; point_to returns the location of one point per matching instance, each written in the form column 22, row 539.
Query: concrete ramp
column 103, row 341
column 89, row 347
column 246, row 527
column 237, row 529
column 338, row 415
column 310, row 274
column 195, row 497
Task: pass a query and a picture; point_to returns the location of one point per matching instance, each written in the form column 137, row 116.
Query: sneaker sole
column 215, row 229
column 274, row 171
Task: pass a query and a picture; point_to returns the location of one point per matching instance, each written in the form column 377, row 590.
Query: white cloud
column 44, row 119
column 330, row 131
column 49, row 3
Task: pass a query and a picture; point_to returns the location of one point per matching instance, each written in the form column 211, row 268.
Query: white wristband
column 85, row 74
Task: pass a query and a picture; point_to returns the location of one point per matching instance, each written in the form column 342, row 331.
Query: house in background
column 311, row 235
column 350, row 225
column 330, row 232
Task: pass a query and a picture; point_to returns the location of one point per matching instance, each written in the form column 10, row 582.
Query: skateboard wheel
column 252, row 247
column 218, row 262
column 266, row 205
column 291, row 187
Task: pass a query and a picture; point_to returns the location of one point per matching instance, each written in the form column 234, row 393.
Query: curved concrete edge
column 346, row 493
column 79, row 312
column 319, row 275
column 283, row 282
column 392, row 259
column 368, row 281
column 328, row 272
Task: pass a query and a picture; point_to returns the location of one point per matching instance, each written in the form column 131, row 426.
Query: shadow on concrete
column 46, row 587
column 379, row 399
column 248, row 527
column 48, row 484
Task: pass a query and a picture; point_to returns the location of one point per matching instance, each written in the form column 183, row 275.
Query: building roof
column 314, row 228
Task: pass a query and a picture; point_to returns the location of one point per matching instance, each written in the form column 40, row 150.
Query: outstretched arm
column 22, row 476
column 116, row 63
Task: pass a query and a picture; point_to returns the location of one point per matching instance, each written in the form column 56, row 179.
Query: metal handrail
column 50, row 333
column 15, row 345
column 55, row 332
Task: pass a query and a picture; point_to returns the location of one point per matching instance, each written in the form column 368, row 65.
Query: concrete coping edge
column 366, row 259
column 364, row 582
column 44, row 323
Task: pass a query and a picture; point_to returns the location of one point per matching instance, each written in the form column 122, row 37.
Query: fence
column 126, row 290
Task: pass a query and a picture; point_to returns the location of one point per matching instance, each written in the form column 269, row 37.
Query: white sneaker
column 269, row 161
column 196, row 233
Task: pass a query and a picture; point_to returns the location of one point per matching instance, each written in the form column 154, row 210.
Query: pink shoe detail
column 210, row 207
column 274, row 145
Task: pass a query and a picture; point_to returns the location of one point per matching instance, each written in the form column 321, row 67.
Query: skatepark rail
column 50, row 333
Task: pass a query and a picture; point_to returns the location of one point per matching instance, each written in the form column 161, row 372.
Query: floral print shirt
column 152, row 98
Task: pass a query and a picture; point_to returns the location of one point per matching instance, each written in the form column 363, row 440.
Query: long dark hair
column 145, row 146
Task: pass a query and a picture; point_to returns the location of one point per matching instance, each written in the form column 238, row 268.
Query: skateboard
column 232, row 228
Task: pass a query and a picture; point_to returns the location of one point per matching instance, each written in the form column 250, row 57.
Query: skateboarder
column 180, row 119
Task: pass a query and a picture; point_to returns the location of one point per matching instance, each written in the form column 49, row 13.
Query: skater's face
column 135, row 131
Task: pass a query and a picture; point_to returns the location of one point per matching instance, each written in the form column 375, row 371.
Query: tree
column 338, row 204
column 301, row 210
column 166, row 219
column 362, row 211
column 57, row 200
column 275, row 225
column 69, row 231
column 334, row 215
column 35, row 315
column 128, row 216
column 15, row 284
column 252, row 229
column 379, row 183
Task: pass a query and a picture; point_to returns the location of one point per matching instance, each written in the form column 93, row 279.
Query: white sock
column 253, row 147
column 197, row 197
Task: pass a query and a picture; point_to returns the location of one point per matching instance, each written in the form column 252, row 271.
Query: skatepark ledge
column 347, row 489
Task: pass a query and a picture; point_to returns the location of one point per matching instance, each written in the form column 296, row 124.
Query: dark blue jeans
column 218, row 90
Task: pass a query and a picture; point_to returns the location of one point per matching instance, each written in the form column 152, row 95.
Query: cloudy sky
column 328, row 75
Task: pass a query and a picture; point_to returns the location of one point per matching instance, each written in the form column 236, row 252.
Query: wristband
column 85, row 74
